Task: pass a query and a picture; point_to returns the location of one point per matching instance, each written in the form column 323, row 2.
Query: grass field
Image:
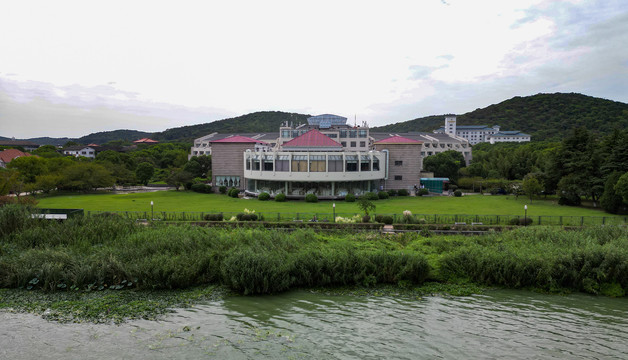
column 191, row 201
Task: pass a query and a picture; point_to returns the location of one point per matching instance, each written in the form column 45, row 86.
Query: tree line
column 50, row 170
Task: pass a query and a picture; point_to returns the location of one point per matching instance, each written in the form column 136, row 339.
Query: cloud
column 75, row 110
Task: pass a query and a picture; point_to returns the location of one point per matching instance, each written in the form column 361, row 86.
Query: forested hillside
column 544, row 116
column 106, row 136
column 261, row 121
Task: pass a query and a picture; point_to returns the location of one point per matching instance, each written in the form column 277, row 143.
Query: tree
column 48, row 182
column 621, row 188
column 611, row 201
column 194, row 167
column 8, row 180
column 179, row 178
column 144, row 172
column 365, row 205
column 445, row 164
column 531, row 185
column 86, row 176
column 29, row 167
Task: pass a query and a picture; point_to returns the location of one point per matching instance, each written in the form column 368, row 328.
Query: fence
column 397, row 218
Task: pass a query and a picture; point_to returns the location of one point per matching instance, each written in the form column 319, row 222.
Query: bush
column 382, row 195
column 311, row 198
column 246, row 217
column 264, row 196
column 371, row 196
column 201, row 188
column 233, row 192
column 366, row 218
column 222, row 189
column 350, row 198
column 214, row 217
column 402, row 192
column 423, row 191
column 280, row 197
column 521, row 221
column 379, row 218
column 457, row 193
column 392, row 192
column 388, row 220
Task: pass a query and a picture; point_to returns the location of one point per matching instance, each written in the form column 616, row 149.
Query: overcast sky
column 71, row 68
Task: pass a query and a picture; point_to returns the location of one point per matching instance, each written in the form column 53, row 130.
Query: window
column 332, row 136
column 285, row 133
column 362, row 143
column 334, row 163
column 422, row 153
column 343, row 133
column 299, row 163
column 353, row 133
column 256, row 164
column 375, row 163
column 268, row 163
column 362, row 133
column 398, row 177
column 365, row 163
column 282, row 163
column 398, row 163
column 317, row 163
column 353, row 144
column 228, row 181
column 343, row 143
column 429, row 153
column 351, row 162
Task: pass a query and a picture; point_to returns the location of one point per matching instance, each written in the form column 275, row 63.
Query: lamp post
column 334, row 207
column 525, row 215
column 151, row 211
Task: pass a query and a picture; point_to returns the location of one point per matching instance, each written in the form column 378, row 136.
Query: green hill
column 106, row 136
column 544, row 116
column 261, row 121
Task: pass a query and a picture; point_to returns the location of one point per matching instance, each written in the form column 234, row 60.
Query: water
column 296, row 325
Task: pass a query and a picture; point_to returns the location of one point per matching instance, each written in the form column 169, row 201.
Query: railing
column 397, row 218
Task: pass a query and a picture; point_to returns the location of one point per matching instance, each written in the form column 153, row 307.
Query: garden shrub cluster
column 350, row 198
column 383, row 195
column 264, row 196
column 233, row 192
column 311, row 198
column 402, row 192
column 280, row 197
column 214, row 217
column 201, row 188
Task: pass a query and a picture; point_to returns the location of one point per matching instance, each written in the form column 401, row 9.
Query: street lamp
column 525, row 216
column 334, row 207
column 152, row 217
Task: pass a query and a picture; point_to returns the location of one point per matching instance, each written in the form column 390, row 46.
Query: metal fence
column 397, row 218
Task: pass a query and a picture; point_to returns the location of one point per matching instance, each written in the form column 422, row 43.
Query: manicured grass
column 191, row 201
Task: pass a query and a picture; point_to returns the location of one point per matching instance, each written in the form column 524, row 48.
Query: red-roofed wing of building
column 398, row 140
column 7, row 155
column 239, row 139
column 146, row 141
column 312, row 140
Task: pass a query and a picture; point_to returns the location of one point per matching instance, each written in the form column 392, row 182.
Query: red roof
column 239, row 139
column 399, row 140
column 146, row 140
column 313, row 138
column 7, row 155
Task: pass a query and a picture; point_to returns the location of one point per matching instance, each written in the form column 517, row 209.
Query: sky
column 71, row 68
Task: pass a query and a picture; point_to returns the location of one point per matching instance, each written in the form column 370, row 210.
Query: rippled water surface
column 499, row 324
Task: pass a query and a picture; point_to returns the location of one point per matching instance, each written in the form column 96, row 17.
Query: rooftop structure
column 8, row 155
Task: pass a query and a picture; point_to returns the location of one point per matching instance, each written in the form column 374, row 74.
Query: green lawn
column 191, row 201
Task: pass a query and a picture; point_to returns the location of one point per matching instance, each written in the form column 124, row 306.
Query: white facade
column 76, row 151
column 479, row 133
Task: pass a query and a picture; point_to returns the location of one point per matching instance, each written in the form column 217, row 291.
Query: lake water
column 302, row 325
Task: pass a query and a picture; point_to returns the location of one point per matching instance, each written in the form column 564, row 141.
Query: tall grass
column 94, row 253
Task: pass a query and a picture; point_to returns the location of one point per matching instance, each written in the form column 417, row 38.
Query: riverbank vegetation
column 107, row 252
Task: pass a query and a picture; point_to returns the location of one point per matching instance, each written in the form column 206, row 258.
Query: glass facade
column 228, row 181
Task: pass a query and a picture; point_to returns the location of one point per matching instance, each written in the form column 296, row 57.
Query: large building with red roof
column 326, row 157
column 9, row 155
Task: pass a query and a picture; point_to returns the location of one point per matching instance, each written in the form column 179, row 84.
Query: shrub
column 521, row 221
column 379, row 218
column 366, row 218
column 457, row 193
column 311, row 198
column 264, row 196
column 280, row 197
column 382, row 195
column 222, row 189
column 233, row 192
column 214, row 217
column 371, row 196
column 402, row 192
column 392, row 192
column 350, row 198
column 423, row 191
column 388, row 220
